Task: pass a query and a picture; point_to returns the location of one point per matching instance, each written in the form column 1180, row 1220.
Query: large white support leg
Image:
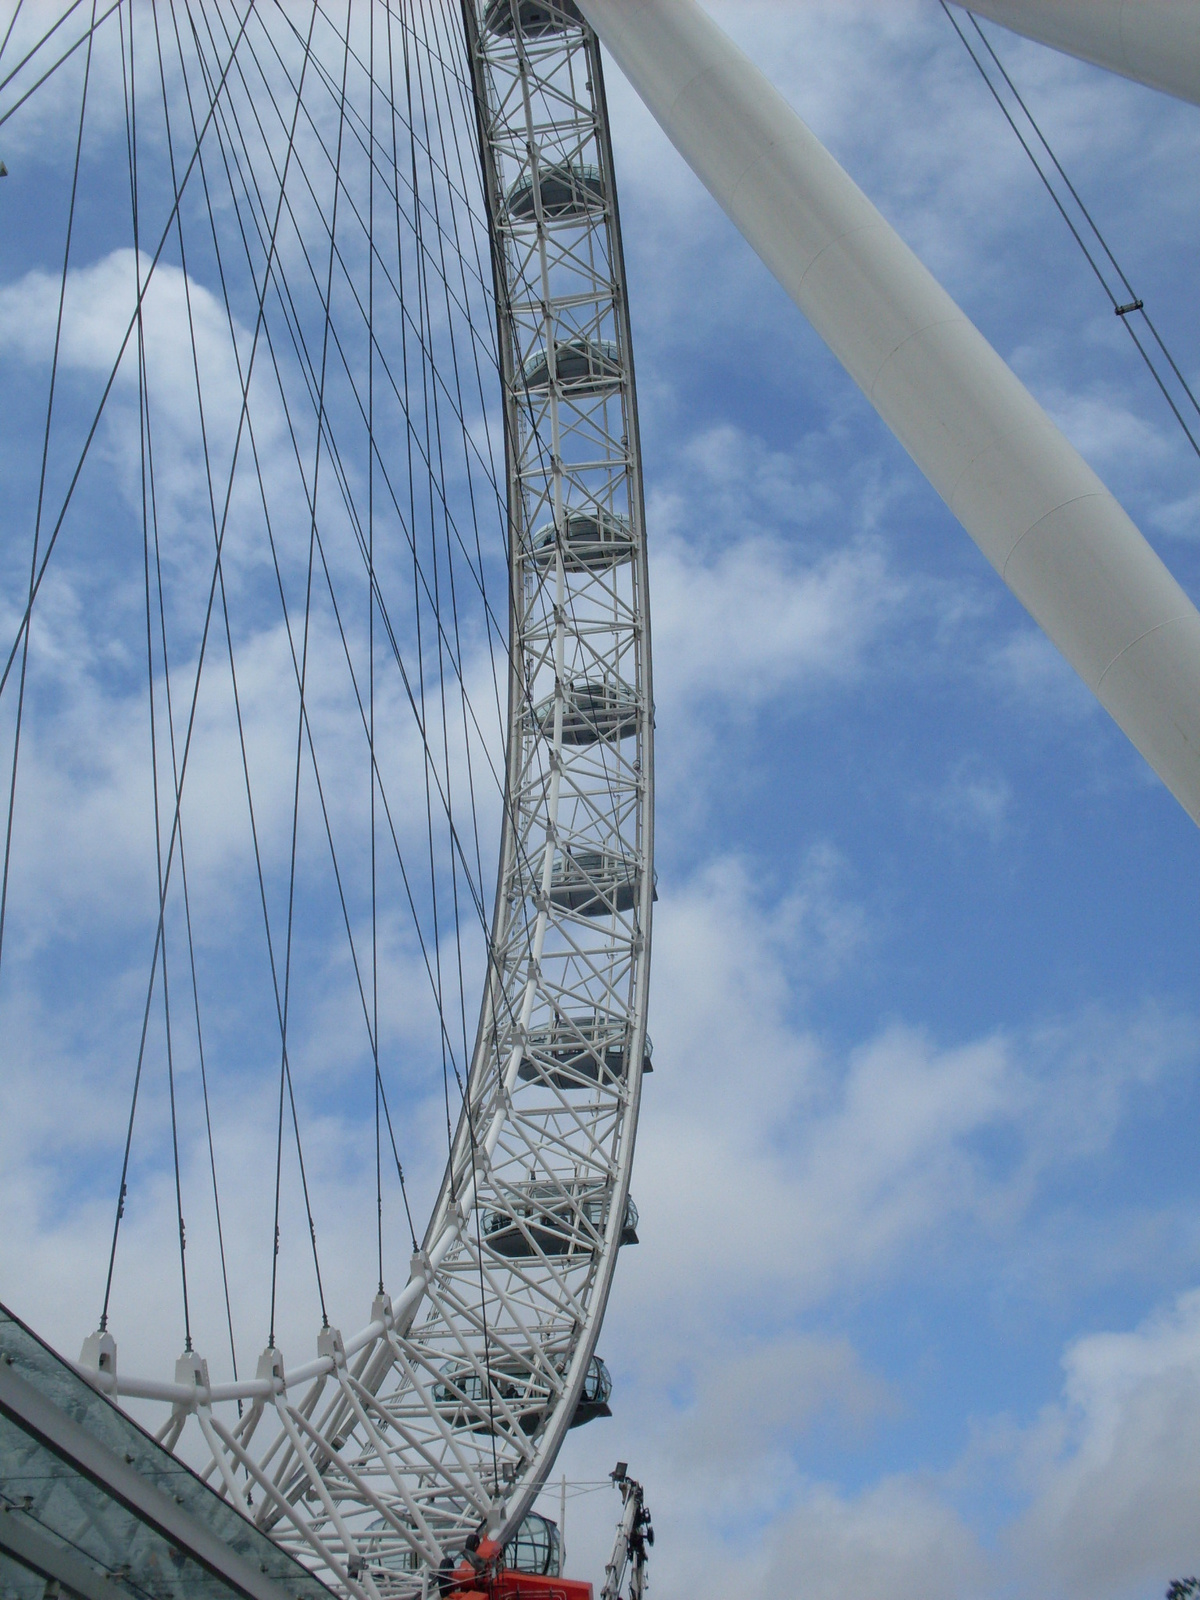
column 1035, row 508
column 1153, row 41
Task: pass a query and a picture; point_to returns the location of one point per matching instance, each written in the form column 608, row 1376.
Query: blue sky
column 916, row 1306
column 924, row 1004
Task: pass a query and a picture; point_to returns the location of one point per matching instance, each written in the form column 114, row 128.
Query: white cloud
column 748, row 1405
column 898, row 1538
column 748, row 605
column 1099, row 421
column 975, row 800
column 717, row 1458
column 1104, row 1481
column 834, row 1169
column 1026, row 666
column 755, row 621
column 1181, row 518
column 1114, row 1465
column 781, row 1183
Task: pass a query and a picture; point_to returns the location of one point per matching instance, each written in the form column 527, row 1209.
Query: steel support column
column 1035, row 508
column 1156, row 42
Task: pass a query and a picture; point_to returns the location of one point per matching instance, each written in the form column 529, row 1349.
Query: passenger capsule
column 536, row 17
column 580, row 1052
column 592, row 882
column 567, row 190
column 591, row 541
column 597, row 1392
column 582, row 366
column 462, row 1397
column 592, row 713
column 553, row 1220
column 464, row 1400
column 535, row 1548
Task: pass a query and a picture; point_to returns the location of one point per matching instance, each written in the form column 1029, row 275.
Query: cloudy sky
column 916, row 1307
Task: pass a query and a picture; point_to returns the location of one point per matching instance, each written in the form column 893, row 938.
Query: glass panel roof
column 67, row 1525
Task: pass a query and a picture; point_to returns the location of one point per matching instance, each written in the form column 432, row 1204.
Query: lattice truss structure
column 374, row 1461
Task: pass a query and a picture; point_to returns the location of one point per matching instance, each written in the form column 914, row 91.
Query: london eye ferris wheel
column 347, row 486
column 329, row 647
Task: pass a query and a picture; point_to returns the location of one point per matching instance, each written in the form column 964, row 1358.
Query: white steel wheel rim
column 375, row 1459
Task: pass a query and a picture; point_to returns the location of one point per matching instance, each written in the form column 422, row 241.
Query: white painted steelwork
column 626, row 1567
column 373, row 1461
column 1038, row 512
column 1156, row 42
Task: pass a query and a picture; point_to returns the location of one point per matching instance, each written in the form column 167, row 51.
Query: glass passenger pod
column 535, row 1548
column 591, row 541
column 594, row 882
column 552, row 1221
column 463, row 1398
column 597, row 1392
column 582, row 367
column 592, row 712
column 536, row 18
column 567, row 189
column 580, row 1052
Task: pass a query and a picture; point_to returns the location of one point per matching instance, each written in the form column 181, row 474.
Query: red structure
column 483, row 1576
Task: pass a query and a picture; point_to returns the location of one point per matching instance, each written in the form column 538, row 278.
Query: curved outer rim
column 316, row 1461
column 551, row 1439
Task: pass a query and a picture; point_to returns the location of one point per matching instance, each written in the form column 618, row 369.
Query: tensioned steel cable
column 346, row 650
column 370, row 1028
column 285, row 1078
column 1134, row 305
column 98, row 413
column 304, row 654
column 485, row 458
column 423, row 280
column 455, row 124
column 453, row 603
column 268, row 333
column 285, row 1067
column 423, row 283
column 409, row 436
column 316, row 769
column 435, row 529
column 123, row 1185
column 202, row 423
column 293, row 318
column 130, row 84
column 183, row 872
column 41, row 495
column 431, row 450
column 84, row 38
column 12, row 22
column 44, row 40
column 200, row 409
column 250, row 433
column 334, row 456
column 377, row 1084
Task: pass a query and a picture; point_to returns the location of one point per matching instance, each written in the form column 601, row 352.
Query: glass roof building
column 92, row 1507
